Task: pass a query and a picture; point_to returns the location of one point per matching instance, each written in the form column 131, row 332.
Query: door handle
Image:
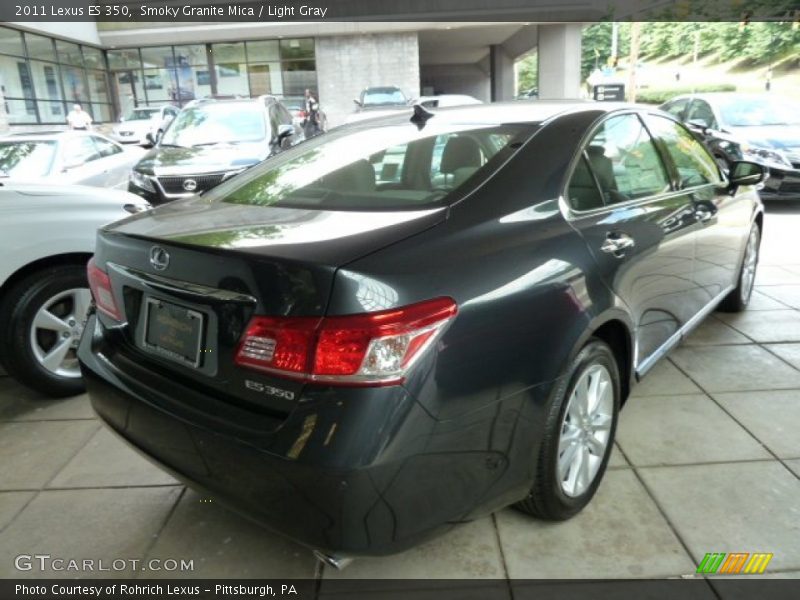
column 616, row 243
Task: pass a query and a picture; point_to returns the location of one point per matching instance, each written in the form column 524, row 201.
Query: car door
column 639, row 230
column 723, row 219
column 80, row 162
column 115, row 162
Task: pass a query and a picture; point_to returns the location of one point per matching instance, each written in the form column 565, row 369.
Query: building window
column 40, row 47
column 11, row 42
column 179, row 74
column 40, row 75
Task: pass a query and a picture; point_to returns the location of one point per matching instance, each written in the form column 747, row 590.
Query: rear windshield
column 380, row 168
column 26, row 159
column 141, row 114
column 379, row 96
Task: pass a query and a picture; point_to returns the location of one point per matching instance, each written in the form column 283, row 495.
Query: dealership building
column 111, row 67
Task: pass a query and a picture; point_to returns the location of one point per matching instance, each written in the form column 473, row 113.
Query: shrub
column 661, row 95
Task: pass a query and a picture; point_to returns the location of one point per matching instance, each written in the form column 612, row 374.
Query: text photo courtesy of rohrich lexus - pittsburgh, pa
column 475, row 299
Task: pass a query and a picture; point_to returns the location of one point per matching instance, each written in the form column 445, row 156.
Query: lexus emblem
column 159, row 258
column 190, row 185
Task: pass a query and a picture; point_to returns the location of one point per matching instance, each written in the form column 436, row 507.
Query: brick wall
column 348, row 64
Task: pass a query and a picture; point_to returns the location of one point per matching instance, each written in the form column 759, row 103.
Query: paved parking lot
column 707, row 459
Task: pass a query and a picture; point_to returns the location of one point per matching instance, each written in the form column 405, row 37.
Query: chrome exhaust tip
column 337, row 562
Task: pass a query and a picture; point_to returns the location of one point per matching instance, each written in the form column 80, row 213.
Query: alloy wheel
column 56, row 331
column 585, row 430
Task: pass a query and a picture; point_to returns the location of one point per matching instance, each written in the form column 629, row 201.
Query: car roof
column 518, row 111
column 712, row 96
column 50, row 135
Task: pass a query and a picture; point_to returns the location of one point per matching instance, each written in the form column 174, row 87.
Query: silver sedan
column 66, row 157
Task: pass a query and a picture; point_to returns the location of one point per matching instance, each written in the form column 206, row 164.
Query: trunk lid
column 225, row 263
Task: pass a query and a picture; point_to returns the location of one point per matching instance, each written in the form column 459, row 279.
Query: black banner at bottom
column 411, row 589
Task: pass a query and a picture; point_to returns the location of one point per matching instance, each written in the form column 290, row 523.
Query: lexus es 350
column 361, row 353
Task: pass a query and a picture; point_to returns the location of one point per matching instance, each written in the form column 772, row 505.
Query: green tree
column 528, row 73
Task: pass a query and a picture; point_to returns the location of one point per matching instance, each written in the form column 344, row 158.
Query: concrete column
column 560, row 60
column 501, row 74
column 348, row 64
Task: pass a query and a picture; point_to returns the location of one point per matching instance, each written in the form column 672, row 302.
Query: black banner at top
column 398, row 10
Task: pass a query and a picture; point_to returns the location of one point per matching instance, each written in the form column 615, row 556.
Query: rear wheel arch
column 615, row 329
column 617, row 335
column 71, row 258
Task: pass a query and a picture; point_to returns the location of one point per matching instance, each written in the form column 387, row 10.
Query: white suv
column 47, row 235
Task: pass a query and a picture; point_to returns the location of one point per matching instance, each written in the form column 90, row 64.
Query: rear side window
column 625, row 161
column 583, row 192
column 105, row 147
column 81, row 149
column 694, row 164
column 701, row 112
column 676, row 108
column 389, row 167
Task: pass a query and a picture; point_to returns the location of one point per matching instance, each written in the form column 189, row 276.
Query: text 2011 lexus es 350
column 409, row 323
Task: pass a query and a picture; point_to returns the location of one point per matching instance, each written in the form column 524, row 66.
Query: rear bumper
column 356, row 473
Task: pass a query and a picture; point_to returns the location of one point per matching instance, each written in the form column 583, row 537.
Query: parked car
column 360, row 365
column 210, row 142
column 144, row 125
column 762, row 128
column 381, row 97
column 376, row 102
column 446, row 100
column 65, row 157
column 47, row 234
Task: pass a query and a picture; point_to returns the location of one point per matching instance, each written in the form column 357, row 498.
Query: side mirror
column 122, row 119
column 149, row 137
column 284, row 131
column 746, row 173
column 358, row 103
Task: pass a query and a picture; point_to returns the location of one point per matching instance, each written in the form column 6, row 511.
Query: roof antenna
column 420, row 116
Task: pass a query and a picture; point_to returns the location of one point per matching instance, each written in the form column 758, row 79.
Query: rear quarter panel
column 36, row 227
column 528, row 296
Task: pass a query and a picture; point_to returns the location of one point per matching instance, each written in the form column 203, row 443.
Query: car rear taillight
column 101, row 291
column 367, row 349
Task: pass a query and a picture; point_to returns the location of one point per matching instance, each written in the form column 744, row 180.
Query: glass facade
column 41, row 77
column 179, row 74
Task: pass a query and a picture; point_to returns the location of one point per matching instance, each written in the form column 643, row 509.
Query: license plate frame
column 194, row 318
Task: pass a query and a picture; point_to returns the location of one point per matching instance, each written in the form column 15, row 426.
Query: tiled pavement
column 708, row 459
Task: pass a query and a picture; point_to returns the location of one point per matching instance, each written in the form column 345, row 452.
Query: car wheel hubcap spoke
column 749, row 265
column 585, row 430
column 56, row 330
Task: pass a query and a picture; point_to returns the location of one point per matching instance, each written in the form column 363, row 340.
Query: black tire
column 547, row 500
column 739, row 298
column 17, row 311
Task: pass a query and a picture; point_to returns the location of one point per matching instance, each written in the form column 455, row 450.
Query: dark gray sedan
column 401, row 325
